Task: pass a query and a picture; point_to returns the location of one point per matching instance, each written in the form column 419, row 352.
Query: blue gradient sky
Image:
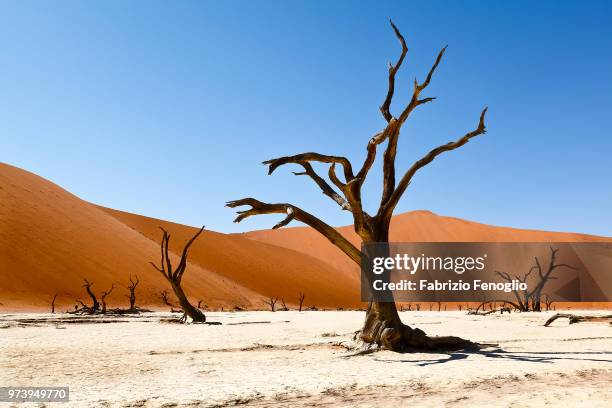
column 168, row 108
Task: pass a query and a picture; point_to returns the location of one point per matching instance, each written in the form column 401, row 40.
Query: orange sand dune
column 50, row 240
column 415, row 226
column 419, row 226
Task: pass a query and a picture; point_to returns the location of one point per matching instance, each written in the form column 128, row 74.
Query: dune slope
column 50, row 240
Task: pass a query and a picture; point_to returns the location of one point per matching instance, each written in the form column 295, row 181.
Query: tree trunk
column 190, row 310
column 132, row 300
column 384, row 328
column 95, row 304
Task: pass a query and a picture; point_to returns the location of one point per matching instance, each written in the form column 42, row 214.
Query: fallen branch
column 577, row 318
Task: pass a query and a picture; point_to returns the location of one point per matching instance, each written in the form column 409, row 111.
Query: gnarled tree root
column 403, row 339
column 577, row 318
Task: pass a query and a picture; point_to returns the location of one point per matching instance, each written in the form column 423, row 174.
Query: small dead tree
column 174, row 276
column 548, row 301
column 532, row 299
column 383, row 326
column 271, row 303
column 284, row 307
column 52, row 302
column 132, row 288
column 301, row 298
column 104, row 295
column 164, row 296
column 95, row 304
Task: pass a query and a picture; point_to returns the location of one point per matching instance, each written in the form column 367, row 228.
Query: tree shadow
column 546, row 357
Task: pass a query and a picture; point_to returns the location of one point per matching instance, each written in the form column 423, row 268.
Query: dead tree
column 383, row 326
column 52, row 302
column 544, row 276
column 174, row 276
column 163, row 295
column 132, row 288
column 95, row 304
column 532, row 299
column 577, row 318
column 284, row 308
column 271, row 302
column 104, row 295
column 548, row 301
column 301, row 298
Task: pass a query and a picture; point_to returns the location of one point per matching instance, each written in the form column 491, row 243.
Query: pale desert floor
column 297, row 359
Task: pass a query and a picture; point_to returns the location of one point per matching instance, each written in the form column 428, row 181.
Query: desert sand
column 297, row 359
column 50, row 240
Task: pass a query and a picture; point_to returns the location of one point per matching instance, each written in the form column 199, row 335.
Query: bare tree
column 532, row 299
column 52, row 302
column 271, row 302
column 132, row 288
column 383, row 326
column 163, row 295
column 284, row 308
column 548, row 301
column 104, row 295
column 95, row 304
column 301, row 298
column 175, row 276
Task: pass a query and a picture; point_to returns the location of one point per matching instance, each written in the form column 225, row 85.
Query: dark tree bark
column 53, row 302
column 95, row 304
column 382, row 326
column 174, row 276
column 132, row 288
column 302, row 296
column 104, row 295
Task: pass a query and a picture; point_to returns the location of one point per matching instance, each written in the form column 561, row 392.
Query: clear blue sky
column 167, row 108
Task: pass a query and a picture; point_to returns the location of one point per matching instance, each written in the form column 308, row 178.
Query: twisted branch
column 389, row 206
column 294, row 212
column 384, row 108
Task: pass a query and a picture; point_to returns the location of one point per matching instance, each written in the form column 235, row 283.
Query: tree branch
column 384, row 108
column 393, row 132
column 388, row 208
column 310, row 157
column 293, row 212
column 304, row 161
column 178, row 274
